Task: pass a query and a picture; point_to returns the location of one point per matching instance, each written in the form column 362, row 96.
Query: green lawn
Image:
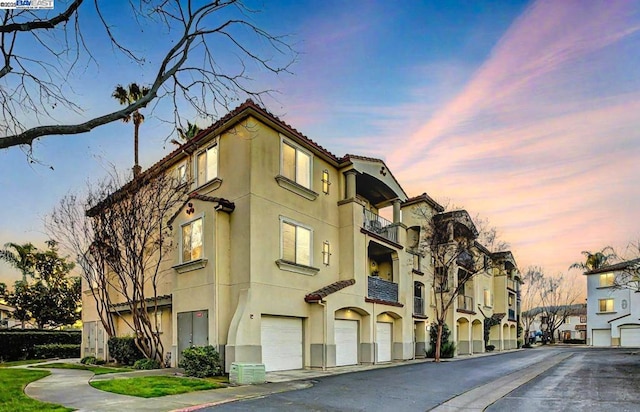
column 21, row 362
column 12, row 397
column 154, row 386
column 98, row 370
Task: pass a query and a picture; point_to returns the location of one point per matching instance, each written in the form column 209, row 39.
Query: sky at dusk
column 527, row 113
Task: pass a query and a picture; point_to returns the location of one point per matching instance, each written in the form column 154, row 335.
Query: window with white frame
column 487, row 298
column 605, row 305
column 325, row 182
column 207, row 165
column 326, row 253
column 296, row 243
column 181, row 173
column 192, row 240
column 158, row 316
column 607, row 279
column 296, row 164
column 417, row 262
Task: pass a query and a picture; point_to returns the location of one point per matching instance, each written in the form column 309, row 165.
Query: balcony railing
column 512, row 314
column 418, row 305
column 382, row 289
column 465, row 303
column 379, row 225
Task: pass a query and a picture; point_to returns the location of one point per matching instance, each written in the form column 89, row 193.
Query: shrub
column 19, row 344
column 490, row 348
column 447, row 349
column 575, row 341
column 88, row 360
column 56, row 350
column 526, row 345
column 124, row 350
column 201, row 362
column 147, row 364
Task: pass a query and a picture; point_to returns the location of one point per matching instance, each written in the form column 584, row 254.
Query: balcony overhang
column 375, row 182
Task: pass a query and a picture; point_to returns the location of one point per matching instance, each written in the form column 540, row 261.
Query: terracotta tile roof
column 322, row 293
column 424, row 198
column 226, row 204
column 498, row 316
column 616, row 266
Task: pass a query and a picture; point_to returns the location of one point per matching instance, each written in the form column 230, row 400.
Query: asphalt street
column 575, row 378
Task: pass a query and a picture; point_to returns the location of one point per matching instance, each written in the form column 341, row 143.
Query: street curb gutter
column 483, row 396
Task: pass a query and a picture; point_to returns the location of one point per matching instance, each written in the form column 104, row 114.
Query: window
column 325, row 182
column 511, row 299
column 207, row 165
column 606, row 305
column 567, row 321
column 181, row 173
column 158, row 321
column 296, row 165
column 192, row 240
column 326, row 252
column 296, row 243
column 487, row 298
column 606, row 279
column 416, row 262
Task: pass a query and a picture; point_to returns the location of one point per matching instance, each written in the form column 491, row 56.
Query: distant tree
column 187, row 133
column 51, row 298
column 205, row 59
column 120, row 242
column 22, row 257
column 595, row 260
column 126, row 97
column 531, row 295
column 557, row 295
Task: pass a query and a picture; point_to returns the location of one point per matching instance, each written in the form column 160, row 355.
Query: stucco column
column 396, row 211
column 351, row 183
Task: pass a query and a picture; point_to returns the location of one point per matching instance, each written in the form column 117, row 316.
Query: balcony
column 379, row 225
column 418, row 305
column 511, row 284
column 465, row 303
column 512, row 314
column 382, row 290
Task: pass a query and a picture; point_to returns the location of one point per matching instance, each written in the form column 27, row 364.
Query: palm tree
column 22, row 259
column 126, row 97
column 595, row 260
column 186, row 134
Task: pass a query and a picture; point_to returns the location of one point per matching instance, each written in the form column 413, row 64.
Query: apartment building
column 283, row 257
column 613, row 313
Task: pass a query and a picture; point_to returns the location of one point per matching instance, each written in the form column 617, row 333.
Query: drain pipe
column 324, row 334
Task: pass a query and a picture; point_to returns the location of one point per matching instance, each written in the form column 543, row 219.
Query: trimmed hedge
column 19, row 344
column 56, row 350
column 201, row 362
column 124, row 350
column 147, row 364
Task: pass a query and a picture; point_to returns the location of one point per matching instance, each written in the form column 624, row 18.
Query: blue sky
column 524, row 112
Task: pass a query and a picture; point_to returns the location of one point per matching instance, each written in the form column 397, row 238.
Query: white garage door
column 601, row 337
column 383, row 341
column 281, row 343
column 346, row 335
column 630, row 337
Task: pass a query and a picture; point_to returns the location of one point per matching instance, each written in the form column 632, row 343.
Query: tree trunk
column 136, row 166
column 438, row 344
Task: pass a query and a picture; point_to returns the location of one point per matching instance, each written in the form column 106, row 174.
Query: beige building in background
column 283, row 258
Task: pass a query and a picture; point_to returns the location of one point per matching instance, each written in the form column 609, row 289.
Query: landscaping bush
column 124, row 350
column 201, row 362
column 527, row 345
column 489, row 348
column 19, row 344
column 575, row 341
column 88, row 360
column 447, row 349
column 56, row 350
column 147, row 364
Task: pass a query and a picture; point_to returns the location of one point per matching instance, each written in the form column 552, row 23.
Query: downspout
column 324, row 334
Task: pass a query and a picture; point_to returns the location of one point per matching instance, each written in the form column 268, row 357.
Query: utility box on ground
column 246, row 373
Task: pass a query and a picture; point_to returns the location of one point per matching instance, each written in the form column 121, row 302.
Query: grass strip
column 98, row 370
column 153, row 386
column 12, row 397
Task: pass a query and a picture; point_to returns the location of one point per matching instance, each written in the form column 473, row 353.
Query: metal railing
column 465, row 303
column 418, row 305
column 377, row 224
column 382, row 289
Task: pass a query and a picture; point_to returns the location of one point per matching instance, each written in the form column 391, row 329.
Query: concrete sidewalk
column 71, row 388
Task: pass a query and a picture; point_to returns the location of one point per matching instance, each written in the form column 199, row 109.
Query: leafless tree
column 449, row 239
column 531, row 296
column 210, row 48
column 557, row 295
column 121, row 242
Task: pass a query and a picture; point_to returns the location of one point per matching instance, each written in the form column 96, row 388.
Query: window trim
column 613, row 305
column 215, row 142
column 485, row 292
column 296, row 147
column 608, row 285
column 181, row 250
column 297, row 224
column 182, row 179
column 326, row 253
column 326, row 182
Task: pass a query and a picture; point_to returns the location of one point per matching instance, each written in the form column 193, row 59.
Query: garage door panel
column 346, row 338
column 383, row 341
column 601, row 337
column 630, row 338
column 281, row 343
